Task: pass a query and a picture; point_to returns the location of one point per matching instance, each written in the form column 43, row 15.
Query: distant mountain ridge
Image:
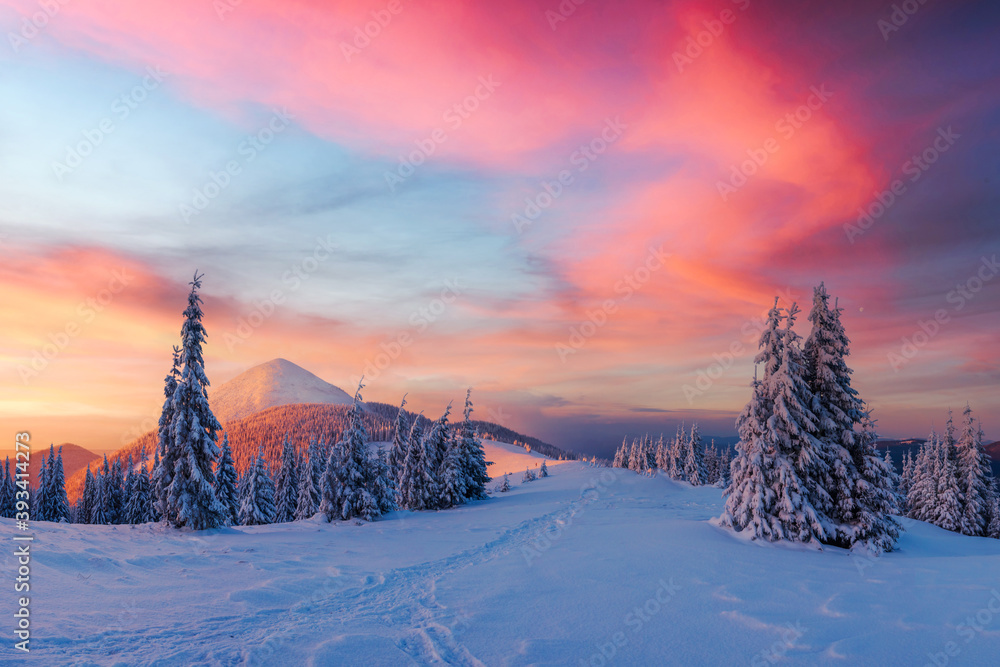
column 260, row 406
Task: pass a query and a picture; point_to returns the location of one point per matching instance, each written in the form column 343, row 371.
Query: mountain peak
column 273, row 383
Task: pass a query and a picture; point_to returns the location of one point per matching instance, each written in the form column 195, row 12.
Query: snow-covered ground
column 590, row 566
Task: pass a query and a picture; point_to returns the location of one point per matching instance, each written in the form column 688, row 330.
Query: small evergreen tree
column 225, row 483
column 529, row 475
column 287, row 484
column 417, row 486
column 306, row 506
column 397, row 452
column 543, row 471
column 7, row 495
column 56, row 493
column 694, row 463
column 975, row 478
column 257, row 506
column 505, row 484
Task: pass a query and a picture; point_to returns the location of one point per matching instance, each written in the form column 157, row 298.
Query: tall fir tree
column 947, row 510
column 225, row 483
column 975, row 477
column 473, row 456
column 777, row 470
column 838, row 412
column 381, row 481
column 115, row 493
column 286, row 484
column 190, row 499
column 345, row 494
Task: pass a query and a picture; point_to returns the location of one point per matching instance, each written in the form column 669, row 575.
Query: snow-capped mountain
column 277, row 382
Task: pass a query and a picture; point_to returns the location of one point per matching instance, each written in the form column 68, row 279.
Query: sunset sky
column 575, row 209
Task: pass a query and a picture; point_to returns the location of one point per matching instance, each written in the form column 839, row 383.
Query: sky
column 581, row 210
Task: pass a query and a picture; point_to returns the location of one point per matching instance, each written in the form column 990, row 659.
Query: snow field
column 591, row 566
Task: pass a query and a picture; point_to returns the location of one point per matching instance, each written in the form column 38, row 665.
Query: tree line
column 685, row 457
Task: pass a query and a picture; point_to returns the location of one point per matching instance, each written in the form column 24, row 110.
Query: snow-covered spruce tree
column 921, row 498
column 621, row 455
column 38, row 500
column 306, row 505
column 777, row 469
column 138, row 504
column 905, row 480
column 345, row 493
column 85, row 504
column 154, row 509
column 750, row 496
column 191, row 451
column 116, row 493
column 7, row 504
column 947, row 511
column 397, row 451
column 529, row 475
column 453, row 486
column 99, row 510
column 543, row 471
column 436, row 444
column 417, row 486
column 874, row 527
column 225, row 483
column 473, row 455
column 694, row 463
column 56, row 493
column 650, row 451
column 311, row 479
column 975, row 477
column 257, row 502
column 381, row 483
column 505, row 484
column 675, row 462
column 838, row 413
column 993, row 530
column 163, row 468
column 286, row 484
